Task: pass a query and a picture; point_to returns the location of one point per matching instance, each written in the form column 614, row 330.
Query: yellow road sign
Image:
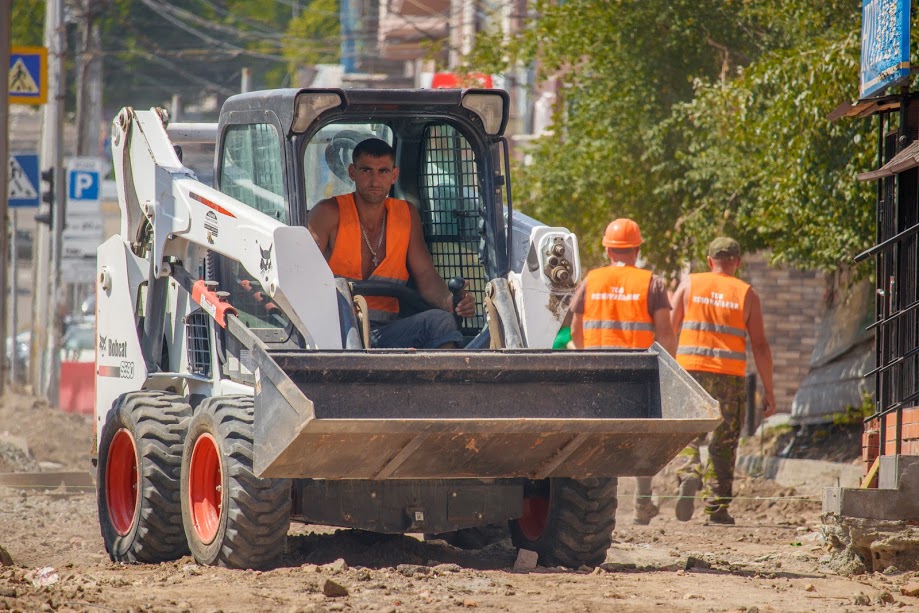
column 28, row 76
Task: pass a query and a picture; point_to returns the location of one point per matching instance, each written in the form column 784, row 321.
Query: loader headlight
column 309, row 105
column 489, row 106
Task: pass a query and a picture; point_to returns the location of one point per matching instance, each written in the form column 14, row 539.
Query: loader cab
column 282, row 151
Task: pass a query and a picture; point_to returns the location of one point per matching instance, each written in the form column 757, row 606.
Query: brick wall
column 792, row 302
column 909, row 435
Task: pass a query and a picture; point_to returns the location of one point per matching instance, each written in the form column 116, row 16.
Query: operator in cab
column 366, row 235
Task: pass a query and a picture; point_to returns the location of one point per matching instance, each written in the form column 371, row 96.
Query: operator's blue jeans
column 427, row 330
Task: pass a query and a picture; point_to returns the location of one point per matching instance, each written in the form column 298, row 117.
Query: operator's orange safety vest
column 714, row 334
column 616, row 308
column 346, row 256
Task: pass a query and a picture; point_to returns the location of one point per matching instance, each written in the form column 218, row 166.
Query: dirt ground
column 773, row 560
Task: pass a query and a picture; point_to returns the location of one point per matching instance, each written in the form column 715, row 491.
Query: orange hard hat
column 622, row 234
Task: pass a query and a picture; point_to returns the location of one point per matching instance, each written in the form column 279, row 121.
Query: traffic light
column 47, row 196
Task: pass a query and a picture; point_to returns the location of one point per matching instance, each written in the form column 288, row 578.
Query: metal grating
column 452, row 213
column 198, row 342
column 897, row 270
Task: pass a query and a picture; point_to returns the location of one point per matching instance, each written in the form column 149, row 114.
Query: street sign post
column 84, row 231
column 28, row 76
column 23, row 186
column 885, row 45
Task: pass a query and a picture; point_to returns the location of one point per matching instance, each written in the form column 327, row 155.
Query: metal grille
column 897, row 291
column 198, row 341
column 452, row 213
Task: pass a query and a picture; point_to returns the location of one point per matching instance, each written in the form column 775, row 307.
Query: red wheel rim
column 535, row 515
column 205, row 481
column 121, row 481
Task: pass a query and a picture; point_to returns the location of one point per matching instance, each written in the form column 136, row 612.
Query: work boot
column 644, row 512
column 720, row 517
column 685, row 502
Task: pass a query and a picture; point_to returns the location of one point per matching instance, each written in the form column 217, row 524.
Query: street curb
column 806, row 476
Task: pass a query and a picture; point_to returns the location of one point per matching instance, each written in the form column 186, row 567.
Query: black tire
column 243, row 523
column 575, row 526
column 147, row 429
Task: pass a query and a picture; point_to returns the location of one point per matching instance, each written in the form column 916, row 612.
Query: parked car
column 79, row 342
column 21, row 354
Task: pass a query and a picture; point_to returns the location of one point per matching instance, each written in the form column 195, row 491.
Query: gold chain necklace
column 373, row 252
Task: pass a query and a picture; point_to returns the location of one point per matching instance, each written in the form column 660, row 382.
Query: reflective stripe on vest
column 616, row 308
column 346, row 260
column 713, row 336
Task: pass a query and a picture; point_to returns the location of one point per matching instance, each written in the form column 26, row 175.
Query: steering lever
column 456, row 285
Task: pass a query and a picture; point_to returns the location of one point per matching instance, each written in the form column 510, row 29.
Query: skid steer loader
column 236, row 390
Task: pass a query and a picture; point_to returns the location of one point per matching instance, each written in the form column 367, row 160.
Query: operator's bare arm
column 322, row 222
column 429, row 282
column 762, row 354
column 678, row 307
column 663, row 330
column 577, row 329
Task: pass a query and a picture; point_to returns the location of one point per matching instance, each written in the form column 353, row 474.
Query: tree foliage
column 698, row 119
column 28, row 25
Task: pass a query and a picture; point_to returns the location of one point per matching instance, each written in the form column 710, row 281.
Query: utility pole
column 455, row 36
column 6, row 30
column 468, row 28
column 38, row 365
column 89, row 81
column 53, row 157
column 175, row 109
column 14, row 300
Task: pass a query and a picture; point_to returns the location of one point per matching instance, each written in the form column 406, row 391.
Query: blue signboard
column 885, row 45
column 28, row 76
column 83, row 185
column 23, row 188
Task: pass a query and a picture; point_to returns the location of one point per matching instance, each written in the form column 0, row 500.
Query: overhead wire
column 223, row 11
column 208, row 39
column 228, row 51
column 201, row 21
column 180, row 71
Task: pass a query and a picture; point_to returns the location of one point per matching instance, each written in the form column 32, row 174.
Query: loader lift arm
column 156, row 189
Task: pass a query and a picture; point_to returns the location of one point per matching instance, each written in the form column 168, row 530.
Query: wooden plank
column 871, row 475
column 80, row 481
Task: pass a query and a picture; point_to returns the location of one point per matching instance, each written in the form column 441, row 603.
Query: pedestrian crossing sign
column 28, row 77
column 23, row 186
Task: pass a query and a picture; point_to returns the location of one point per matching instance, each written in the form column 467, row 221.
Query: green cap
column 724, row 247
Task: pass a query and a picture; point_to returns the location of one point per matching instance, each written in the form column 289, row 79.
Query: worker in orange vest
column 714, row 312
column 368, row 235
column 621, row 306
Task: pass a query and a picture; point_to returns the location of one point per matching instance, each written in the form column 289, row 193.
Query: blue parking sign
column 83, row 185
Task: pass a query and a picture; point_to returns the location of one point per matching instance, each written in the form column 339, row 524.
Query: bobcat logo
column 102, row 340
column 266, row 259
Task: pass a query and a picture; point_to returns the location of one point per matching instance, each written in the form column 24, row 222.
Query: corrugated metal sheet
column 844, row 353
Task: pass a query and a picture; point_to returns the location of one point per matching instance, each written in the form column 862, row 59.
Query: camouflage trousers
column 718, row 476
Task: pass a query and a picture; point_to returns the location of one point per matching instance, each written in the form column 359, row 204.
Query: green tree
column 28, row 25
column 698, row 118
column 314, row 36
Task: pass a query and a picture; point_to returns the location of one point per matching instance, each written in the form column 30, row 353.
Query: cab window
column 252, row 169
